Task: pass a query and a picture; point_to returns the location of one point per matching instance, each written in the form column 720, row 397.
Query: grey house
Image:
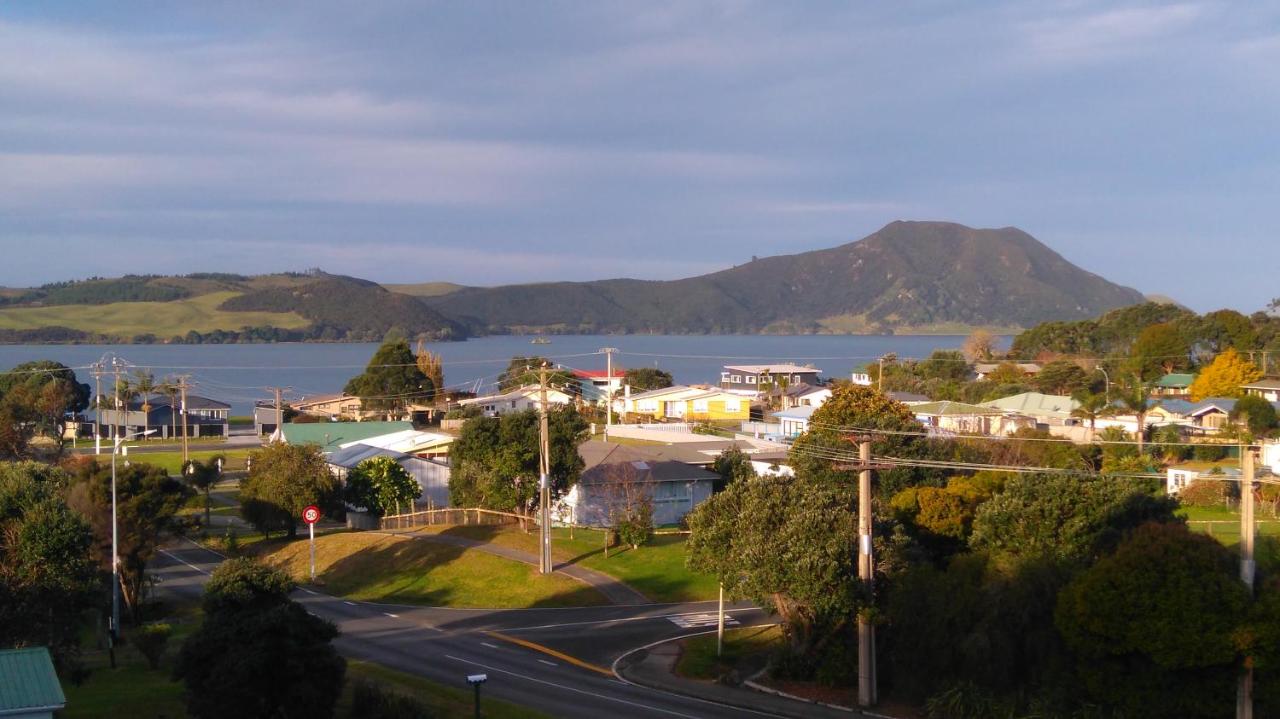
column 432, row 475
column 755, row 378
column 617, row 476
column 205, row 417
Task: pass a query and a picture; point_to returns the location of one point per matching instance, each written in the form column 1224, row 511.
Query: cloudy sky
column 495, row 142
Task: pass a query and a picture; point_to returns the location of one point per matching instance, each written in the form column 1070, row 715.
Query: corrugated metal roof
column 330, row 435
column 28, row 681
column 1176, row 380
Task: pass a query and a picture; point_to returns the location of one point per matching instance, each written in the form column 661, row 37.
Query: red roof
column 597, row 373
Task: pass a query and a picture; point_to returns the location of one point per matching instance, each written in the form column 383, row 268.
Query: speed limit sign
column 311, row 514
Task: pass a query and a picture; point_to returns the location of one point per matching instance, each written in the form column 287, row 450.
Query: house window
column 737, row 379
column 751, row 379
column 732, row 405
column 699, row 405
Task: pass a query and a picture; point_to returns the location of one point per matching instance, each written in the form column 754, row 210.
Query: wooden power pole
column 867, row 683
column 1244, row 690
column 608, row 387
column 544, row 479
column 182, row 405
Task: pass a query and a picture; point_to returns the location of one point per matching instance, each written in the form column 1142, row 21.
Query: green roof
column 946, row 407
column 329, row 435
column 28, row 681
column 1176, row 380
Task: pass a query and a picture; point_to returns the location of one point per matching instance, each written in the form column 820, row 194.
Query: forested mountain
column 913, row 276
column 906, row 277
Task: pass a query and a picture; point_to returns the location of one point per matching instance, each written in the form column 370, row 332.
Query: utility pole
column 1244, row 690
column 97, row 403
column 544, row 480
column 115, row 393
column 182, row 389
column 867, row 682
column 279, row 409
column 608, row 407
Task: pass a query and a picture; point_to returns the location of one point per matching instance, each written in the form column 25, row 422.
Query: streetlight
column 476, row 680
column 1106, row 388
column 115, row 538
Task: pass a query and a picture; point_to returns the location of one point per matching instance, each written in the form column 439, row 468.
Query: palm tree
column 145, row 384
column 169, row 388
column 1093, row 406
column 122, row 395
column 1135, row 397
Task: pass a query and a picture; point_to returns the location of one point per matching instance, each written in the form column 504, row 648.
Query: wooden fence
column 453, row 517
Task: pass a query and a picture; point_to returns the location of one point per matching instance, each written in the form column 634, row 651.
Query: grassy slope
column 425, row 289
column 379, row 567
column 657, row 569
column 163, row 319
column 172, row 461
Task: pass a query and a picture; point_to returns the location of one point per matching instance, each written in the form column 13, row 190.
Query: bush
column 1209, row 452
column 371, row 701
column 1204, row 493
column 637, row 528
column 151, row 640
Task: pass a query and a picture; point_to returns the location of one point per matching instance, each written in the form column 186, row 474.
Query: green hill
column 907, row 277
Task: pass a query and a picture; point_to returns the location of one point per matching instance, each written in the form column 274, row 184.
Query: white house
column 1179, row 477
column 860, row 378
column 1271, row 456
column 1268, row 389
column 617, row 476
column 795, row 421
column 516, row 400
column 1046, row 409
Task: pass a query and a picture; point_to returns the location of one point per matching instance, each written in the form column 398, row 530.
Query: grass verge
column 172, row 461
column 656, row 569
column 698, row 658
column 383, row 568
column 447, row 701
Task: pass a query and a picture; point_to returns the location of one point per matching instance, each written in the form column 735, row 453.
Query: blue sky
column 495, row 142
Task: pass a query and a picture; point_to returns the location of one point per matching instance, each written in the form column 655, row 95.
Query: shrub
column 151, row 640
column 637, row 528
column 372, row 701
column 1209, row 452
column 1204, row 493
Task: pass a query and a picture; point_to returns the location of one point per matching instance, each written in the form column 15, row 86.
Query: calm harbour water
column 239, row 374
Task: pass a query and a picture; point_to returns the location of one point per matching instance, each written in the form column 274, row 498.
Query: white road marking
column 351, row 604
column 550, row 664
column 707, row 619
column 616, row 620
column 308, row 591
column 487, row 644
column 393, row 616
column 568, row 688
column 189, row 564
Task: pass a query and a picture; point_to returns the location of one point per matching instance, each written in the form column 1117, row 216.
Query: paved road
column 554, row 660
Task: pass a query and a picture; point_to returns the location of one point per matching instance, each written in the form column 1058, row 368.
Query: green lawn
column 447, row 701
column 163, row 319
column 698, row 658
column 172, row 461
column 657, row 569
column 1223, row 524
column 384, row 568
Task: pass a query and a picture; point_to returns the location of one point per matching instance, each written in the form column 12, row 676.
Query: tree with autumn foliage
column 1224, row 376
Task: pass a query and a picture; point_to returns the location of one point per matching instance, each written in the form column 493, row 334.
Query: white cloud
column 1099, row 35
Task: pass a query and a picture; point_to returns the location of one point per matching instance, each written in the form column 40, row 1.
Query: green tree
column 391, row 380
column 1226, row 329
column 380, row 484
column 944, row 365
column 431, row 365
column 151, row 640
column 523, row 371
column 1134, row 397
column 1160, row 349
column 495, row 461
column 1152, row 625
column 48, row 577
column 853, row 408
column 1063, row 517
column 38, row 397
column 1224, row 377
column 1258, row 414
column 283, row 480
column 1093, row 407
column 732, row 465
column 787, row 544
column 258, row 653
column 147, row 504
column 144, row 383
column 647, row 378
column 203, row 476
column 1061, row 377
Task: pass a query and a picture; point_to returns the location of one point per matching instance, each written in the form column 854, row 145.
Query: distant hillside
column 425, row 289
column 907, row 277
column 349, row 308
column 215, row 307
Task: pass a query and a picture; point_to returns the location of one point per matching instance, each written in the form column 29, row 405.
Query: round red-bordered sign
column 311, row 514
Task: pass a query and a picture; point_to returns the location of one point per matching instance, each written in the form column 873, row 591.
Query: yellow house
column 716, row 405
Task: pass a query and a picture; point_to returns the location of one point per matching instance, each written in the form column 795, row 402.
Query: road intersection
column 559, row 661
